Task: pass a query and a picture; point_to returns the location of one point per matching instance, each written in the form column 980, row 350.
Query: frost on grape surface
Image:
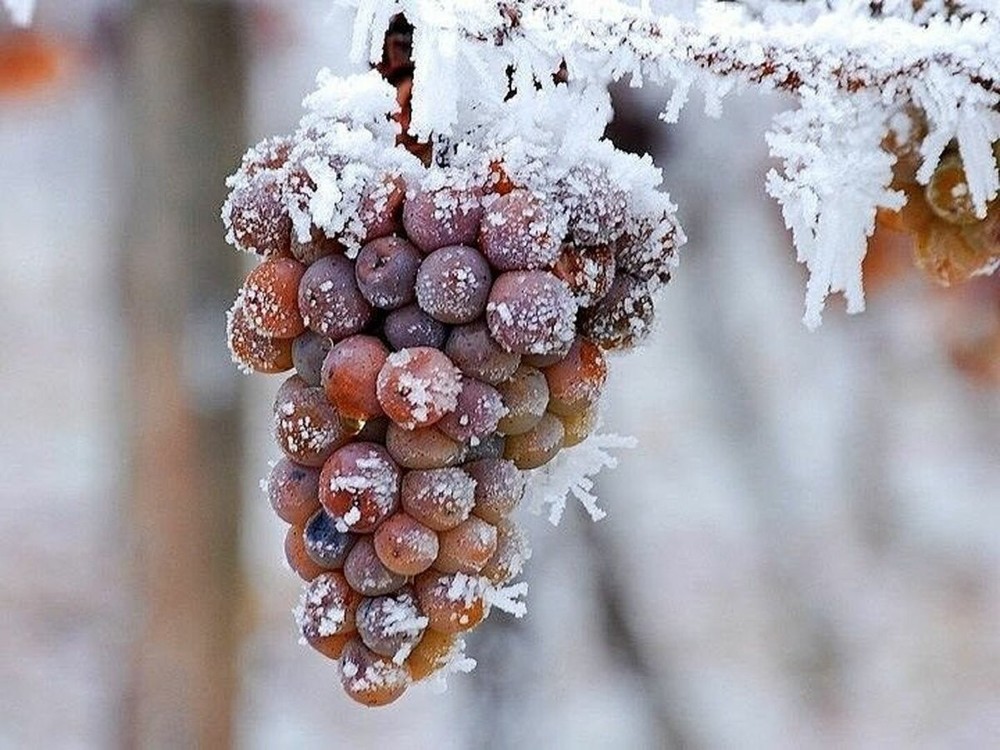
column 20, row 11
column 854, row 68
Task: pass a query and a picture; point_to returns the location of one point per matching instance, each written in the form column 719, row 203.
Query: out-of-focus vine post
column 184, row 71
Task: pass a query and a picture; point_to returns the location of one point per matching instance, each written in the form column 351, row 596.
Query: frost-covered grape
column 539, row 445
column 475, row 352
column 253, row 351
column 404, row 545
column 490, row 446
column 477, row 413
column 499, row 488
column 418, row 386
column 306, row 427
column 438, row 498
column 391, row 625
column 453, row 284
column 257, row 218
column 588, row 271
column 467, row 547
column 623, row 318
column 317, row 246
column 410, row 326
column 271, row 153
column 331, row 646
column 330, row 301
column 579, row 425
column 381, row 209
column 446, row 603
column 526, row 397
column 349, row 374
column 576, row 381
column 648, row 258
column 359, row 486
column 327, row 606
column 367, row 574
column 511, row 553
column 948, row 192
column 370, row 679
column 438, row 218
column 289, row 386
column 515, row 234
column 325, row 543
column 422, row 448
column 531, row 312
column 295, row 554
column 308, row 352
column 270, row 298
column 386, row 270
column 430, row 654
column 293, row 491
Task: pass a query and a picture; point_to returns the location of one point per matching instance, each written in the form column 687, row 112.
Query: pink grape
column 366, row 573
column 438, row 498
column 359, row 486
column 453, row 284
column 515, row 234
column 477, row 413
column 293, row 491
column 418, row 386
column 531, row 312
column 349, row 375
column 330, row 301
column 438, row 218
column 499, row 488
column 478, row 355
column 422, row 448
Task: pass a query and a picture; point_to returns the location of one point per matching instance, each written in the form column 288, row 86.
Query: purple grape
column 410, row 326
column 324, row 544
column 366, row 573
column 531, row 312
column 623, row 318
column 438, row 218
column 391, row 625
column 499, row 488
column 308, row 352
column 257, row 218
column 453, row 284
column 386, row 269
column 480, row 408
column 381, row 207
column 330, row 301
column 515, row 233
column 478, row 355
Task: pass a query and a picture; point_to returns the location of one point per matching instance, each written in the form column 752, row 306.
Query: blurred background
column 803, row 551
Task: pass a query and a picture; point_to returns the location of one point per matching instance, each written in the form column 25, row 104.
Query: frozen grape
column 588, row 271
column 623, row 318
column 516, row 235
column 295, row 555
column 404, row 545
column 511, row 553
column 948, row 192
column 293, row 491
column 359, row 486
column 325, row 543
column 269, row 154
column 418, row 386
column 430, row 654
column 467, row 547
column 422, row 448
column 453, row 283
column 446, row 603
column 327, row 606
column 438, row 218
column 438, row 498
column 531, row 312
column 251, row 350
column 526, row 397
column 576, row 381
column 648, row 258
column 386, row 270
column 317, row 246
column 539, row 445
column 367, row 574
column 410, row 327
column 257, row 218
column 331, row 646
column 349, row 374
column 478, row 355
column 579, row 425
column 370, row 679
column 381, row 209
column 499, row 488
column 306, row 427
column 330, row 301
column 270, row 298
column 391, row 625
column 308, row 352
column 477, row 413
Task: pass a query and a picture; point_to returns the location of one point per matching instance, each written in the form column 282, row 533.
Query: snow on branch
column 20, row 11
column 855, row 67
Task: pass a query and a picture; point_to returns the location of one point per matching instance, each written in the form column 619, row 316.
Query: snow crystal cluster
column 857, row 70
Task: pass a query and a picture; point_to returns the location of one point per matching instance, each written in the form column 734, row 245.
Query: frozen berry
column 447, row 603
column 317, row 246
column 367, row 574
column 293, row 491
column 327, row 606
column 418, row 386
column 478, row 355
column 325, row 543
column 477, row 413
column 306, row 427
column 430, row 654
column 499, row 488
column 438, row 218
column 531, row 312
column 359, row 486
column 295, row 554
column 453, row 284
column 422, row 448
column 526, row 397
column 538, row 446
column 623, row 318
column 588, row 271
column 381, row 209
column 467, row 547
column 256, row 216
column 579, row 425
column 330, row 301
column 438, row 498
column 576, row 381
column 391, row 625
column 386, row 270
column 252, row 350
column 331, row 646
column 349, row 374
column 308, row 352
column 370, row 679
column 270, row 298
column 410, row 326
column 404, row 545
column 516, row 235
column 511, row 553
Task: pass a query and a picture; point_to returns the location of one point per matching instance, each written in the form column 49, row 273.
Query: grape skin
column 438, row 498
column 405, row 546
column 359, row 486
column 499, row 488
column 515, row 234
column 349, row 376
column 418, row 386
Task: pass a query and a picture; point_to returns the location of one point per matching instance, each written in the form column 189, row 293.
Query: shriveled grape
column 308, row 352
column 327, row 606
column 576, row 381
column 438, row 218
column 449, row 608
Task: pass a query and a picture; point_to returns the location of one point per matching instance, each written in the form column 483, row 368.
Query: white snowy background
column 803, row 551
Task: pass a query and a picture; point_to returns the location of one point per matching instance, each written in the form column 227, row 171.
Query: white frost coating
column 570, row 474
column 21, row 11
column 455, row 662
column 847, row 68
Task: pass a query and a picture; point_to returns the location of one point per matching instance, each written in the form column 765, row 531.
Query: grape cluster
column 448, row 340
